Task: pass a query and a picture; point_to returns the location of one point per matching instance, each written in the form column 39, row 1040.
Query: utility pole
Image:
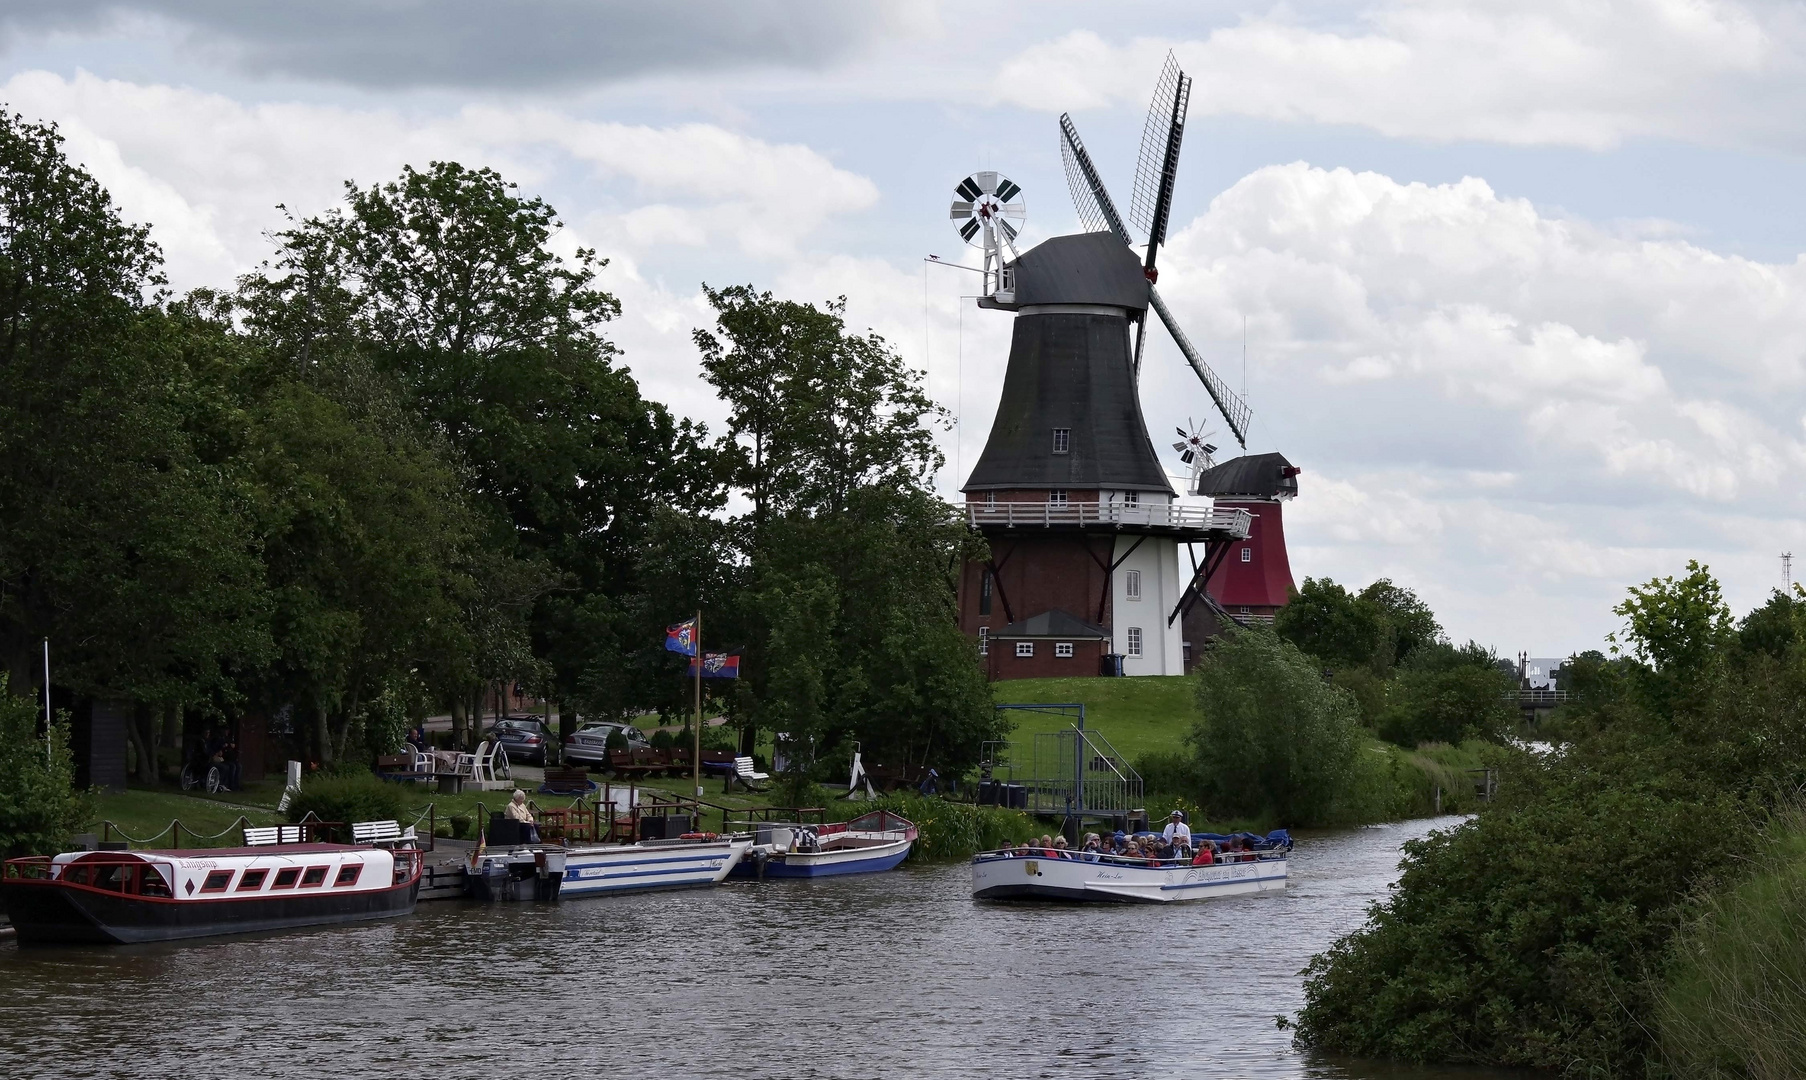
column 1787, row 573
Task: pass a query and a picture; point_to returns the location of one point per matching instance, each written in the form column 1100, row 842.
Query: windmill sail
column 1096, row 212
column 1235, row 411
column 1158, row 165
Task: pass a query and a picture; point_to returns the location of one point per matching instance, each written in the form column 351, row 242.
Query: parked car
column 526, row 738
column 589, row 744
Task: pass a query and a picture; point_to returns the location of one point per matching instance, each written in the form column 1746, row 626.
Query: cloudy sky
column 1521, row 281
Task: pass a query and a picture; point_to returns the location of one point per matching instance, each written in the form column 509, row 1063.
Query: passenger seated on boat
column 1061, row 849
column 1207, row 853
column 517, row 811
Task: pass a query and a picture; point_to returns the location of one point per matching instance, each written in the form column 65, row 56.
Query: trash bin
column 987, row 793
column 1016, row 796
column 1112, row 665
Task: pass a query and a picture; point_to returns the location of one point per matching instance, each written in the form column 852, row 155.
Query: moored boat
column 127, row 897
column 1089, row 877
column 550, row 873
column 867, row 844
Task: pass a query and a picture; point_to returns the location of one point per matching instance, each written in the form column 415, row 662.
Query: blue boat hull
column 798, row 865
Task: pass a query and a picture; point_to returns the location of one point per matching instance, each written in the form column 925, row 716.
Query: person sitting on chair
column 517, row 811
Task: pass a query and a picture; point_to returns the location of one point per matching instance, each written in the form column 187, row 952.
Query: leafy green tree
column 1339, row 628
column 846, row 599
column 39, row 805
column 1273, row 737
column 1449, row 695
column 1675, row 629
column 1410, row 622
column 125, row 535
column 446, row 281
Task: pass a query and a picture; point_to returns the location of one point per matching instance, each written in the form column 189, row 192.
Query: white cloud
column 1566, row 72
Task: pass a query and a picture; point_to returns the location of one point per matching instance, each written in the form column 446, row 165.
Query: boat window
column 76, row 875
column 285, row 879
column 217, row 881
column 348, row 874
column 153, row 883
column 252, row 880
column 314, row 878
column 111, row 876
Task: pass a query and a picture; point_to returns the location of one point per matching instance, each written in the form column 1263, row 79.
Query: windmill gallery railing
column 1234, row 523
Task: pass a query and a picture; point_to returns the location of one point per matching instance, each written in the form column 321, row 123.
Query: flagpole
column 696, row 735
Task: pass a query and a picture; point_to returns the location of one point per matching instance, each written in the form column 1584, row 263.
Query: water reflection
column 879, row 976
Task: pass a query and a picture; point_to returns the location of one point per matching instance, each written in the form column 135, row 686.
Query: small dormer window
column 1062, row 440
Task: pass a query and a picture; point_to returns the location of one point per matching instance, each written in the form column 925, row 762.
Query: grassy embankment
column 1147, row 719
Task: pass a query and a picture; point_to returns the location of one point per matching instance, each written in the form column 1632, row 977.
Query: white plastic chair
column 484, row 772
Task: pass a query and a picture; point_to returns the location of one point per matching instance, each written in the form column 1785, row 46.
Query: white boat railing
column 1152, row 515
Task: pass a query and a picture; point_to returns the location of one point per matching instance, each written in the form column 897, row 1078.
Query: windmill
column 1195, row 453
column 990, row 212
column 1150, row 203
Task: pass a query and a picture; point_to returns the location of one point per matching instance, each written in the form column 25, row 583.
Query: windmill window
column 1025, row 648
column 1056, row 498
column 1062, row 648
column 1134, row 641
column 984, row 641
column 1131, row 584
column 1247, row 554
column 1131, row 498
column 990, row 499
column 984, row 593
column 1062, row 440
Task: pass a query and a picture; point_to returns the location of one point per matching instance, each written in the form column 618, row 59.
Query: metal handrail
column 1236, row 522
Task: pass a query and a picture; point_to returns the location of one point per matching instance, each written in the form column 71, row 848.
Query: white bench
column 378, row 833
column 272, row 834
column 746, row 774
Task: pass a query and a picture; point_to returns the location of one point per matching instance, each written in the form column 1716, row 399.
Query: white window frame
column 984, row 641
column 1057, row 497
column 1062, row 440
column 1025, row 649
column 1062, row 648
column 1134, row 641
column 1131, row 584
column 1131, row 498
column 990, row 499
column 1247, row 553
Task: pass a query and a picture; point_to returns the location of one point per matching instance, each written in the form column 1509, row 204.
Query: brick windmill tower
column 1084, row 575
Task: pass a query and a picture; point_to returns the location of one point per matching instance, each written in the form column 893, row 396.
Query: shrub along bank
column 1604, row 897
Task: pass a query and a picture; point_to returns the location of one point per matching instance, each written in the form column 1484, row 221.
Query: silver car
column 588, row 745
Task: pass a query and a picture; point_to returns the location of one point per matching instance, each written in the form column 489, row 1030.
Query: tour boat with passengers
column 1092, row 877
column 867, row 844
column 128, row 897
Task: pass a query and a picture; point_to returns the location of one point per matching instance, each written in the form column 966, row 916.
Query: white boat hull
column 1010, row 877
column 639, row 867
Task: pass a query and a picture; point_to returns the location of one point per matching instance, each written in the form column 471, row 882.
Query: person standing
column 1177, row 832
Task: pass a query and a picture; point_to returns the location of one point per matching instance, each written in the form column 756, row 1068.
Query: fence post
column 175, row 834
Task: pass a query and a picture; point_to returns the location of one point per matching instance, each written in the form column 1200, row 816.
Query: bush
column 39, row 805
column 662, row 739
column 1274, row 739
column 617, row 741
column 348, row 798
column 1448, row 695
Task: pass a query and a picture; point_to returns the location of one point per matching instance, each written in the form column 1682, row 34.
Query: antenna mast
column 1787, row 572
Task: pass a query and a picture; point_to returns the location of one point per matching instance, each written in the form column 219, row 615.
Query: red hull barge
column 131, row 897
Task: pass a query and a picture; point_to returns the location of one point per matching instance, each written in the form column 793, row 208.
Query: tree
column 847, row 595
column 445, row 280
column 1272, row 737
column 1411, row 623
column 1449, row 695
column 39, row 806
column 1337, row 627
column 124, row 532
column 1674, row 629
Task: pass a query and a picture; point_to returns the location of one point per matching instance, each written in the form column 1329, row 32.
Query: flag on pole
column 718, row 666
column 681, row 638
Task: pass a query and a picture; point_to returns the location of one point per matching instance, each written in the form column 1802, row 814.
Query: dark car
column 526, row 738
column 589, row 743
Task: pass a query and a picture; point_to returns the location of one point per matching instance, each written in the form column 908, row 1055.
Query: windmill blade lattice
column 1096, row 212
column 1158, row 163
column 1235, row 411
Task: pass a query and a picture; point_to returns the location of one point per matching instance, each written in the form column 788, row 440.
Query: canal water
column 889, row 975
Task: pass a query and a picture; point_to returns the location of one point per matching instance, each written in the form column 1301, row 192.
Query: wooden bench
column 574, row 781
column 890, row 778
column 718, row 762
column 378, row 833
column 751, row 779
column 631, row 763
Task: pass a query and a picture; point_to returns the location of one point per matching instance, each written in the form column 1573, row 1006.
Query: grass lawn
column 1152, row 712
column 145, row 814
